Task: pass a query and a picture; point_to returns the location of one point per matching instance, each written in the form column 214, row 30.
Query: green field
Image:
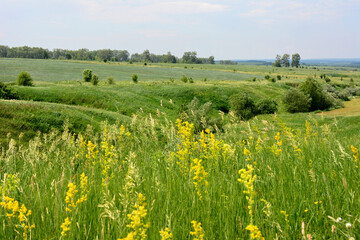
column 113, row 161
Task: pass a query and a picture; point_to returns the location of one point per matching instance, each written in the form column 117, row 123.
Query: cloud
column 286, row 10
column 144, row 11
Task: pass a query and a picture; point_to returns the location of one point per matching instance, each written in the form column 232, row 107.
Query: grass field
column 113, row 161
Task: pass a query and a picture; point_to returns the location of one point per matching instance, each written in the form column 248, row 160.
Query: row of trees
column 284, row 61
column 100, row 55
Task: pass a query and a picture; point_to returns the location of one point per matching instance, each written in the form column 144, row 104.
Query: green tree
column 318, row 98
column 94, row 79
column 277, row 62
column 266, row 106
column 87, row 75
column 24, row 79
column 295, row 60
column 296, row 101
column 285, row 60
column 134, row 78
column 243, row 106
column 211, row 60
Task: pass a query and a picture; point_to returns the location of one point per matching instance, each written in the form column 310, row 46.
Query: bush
column 272, row 80
column 313, row 89
column 24, row 79
column 327, row 79
column 94, row 79
column 267, row 77
column 110, row 80
column 87, row 75
column 278, row 77
column 296, row 101
column 134, row 78
column 184, row 79
column 266, row 106
column 243, row 106
column 6, row 92
column 191, row 80
column 199, row 115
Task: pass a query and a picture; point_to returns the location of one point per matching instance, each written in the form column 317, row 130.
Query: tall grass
column 153, row 178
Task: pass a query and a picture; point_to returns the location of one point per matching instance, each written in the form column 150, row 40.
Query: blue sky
column 227, row 29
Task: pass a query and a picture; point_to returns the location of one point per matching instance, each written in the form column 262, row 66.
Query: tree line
column 284, row 61
column 100, row 55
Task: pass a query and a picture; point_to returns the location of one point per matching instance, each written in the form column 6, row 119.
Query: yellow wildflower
column 200, row 175
column 248, row 179
column 65, row 227
column 356, row 155
column 166, row 234
column 198, row 232
column 254, row 232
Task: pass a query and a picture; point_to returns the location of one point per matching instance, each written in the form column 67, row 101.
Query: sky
column 226, row 29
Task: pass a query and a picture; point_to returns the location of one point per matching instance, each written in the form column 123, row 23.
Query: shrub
column 243, row 106
column 266, row 106
column 205, row 79
column 87, row 75
column 94, row 79
column 110, row 80
column 199, row 115
column 6, row 92
column 191, row 80
column 184, row 79
column 272, row 80
column 267, row 77
column 327, row 79
column 278, row 77
column 134, row 78
column 24, row 79
column 254, row 79
column 313, row 89
column 296, row 101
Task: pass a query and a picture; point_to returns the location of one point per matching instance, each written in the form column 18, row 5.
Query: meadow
column 116, row 162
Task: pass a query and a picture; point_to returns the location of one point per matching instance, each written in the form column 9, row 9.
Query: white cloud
column 144, row 11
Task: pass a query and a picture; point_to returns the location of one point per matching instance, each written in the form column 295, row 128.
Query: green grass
column 27, row 118
column 143, row 155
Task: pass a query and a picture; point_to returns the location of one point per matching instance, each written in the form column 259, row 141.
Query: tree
column 266, row 106
column 94, row 79
column 211, row 60
column 285, row 60
column 87, row 75
column 277, row 62
column 189, row 57
column 313, row 89
column 296, row 101
column 134, row 78
column 24, row 79
column 295, row 60
column 243, row 105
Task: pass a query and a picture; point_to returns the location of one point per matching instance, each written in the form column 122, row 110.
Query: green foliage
column 184, row 78
column 6, row 92
column 110, row 80
column 267, row 77
column 327, row 79
column 243, row 106
column 199, row 115
column 266, row 106
column 272, row 79
column 278, row 77
column 24, row 79
column 87, row 75
column 311, row 88
column 134, row 78
column 296, row 101
column 94, row 79
column 191, row 80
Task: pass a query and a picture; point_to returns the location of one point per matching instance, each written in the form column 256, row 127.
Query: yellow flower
column 65, row 227
column 198, row 232
column 166, row 234
column 137, row 217
column 254, row 232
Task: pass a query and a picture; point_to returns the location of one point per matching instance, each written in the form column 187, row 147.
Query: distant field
column 54, row 71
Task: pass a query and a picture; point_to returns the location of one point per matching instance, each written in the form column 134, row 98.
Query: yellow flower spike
column 166, row 234
column 65, row 227
column 137, row 216
column 198, row 232
column 355, row 155
column 254, row 232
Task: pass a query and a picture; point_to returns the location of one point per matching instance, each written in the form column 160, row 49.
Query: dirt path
column 352, row 108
